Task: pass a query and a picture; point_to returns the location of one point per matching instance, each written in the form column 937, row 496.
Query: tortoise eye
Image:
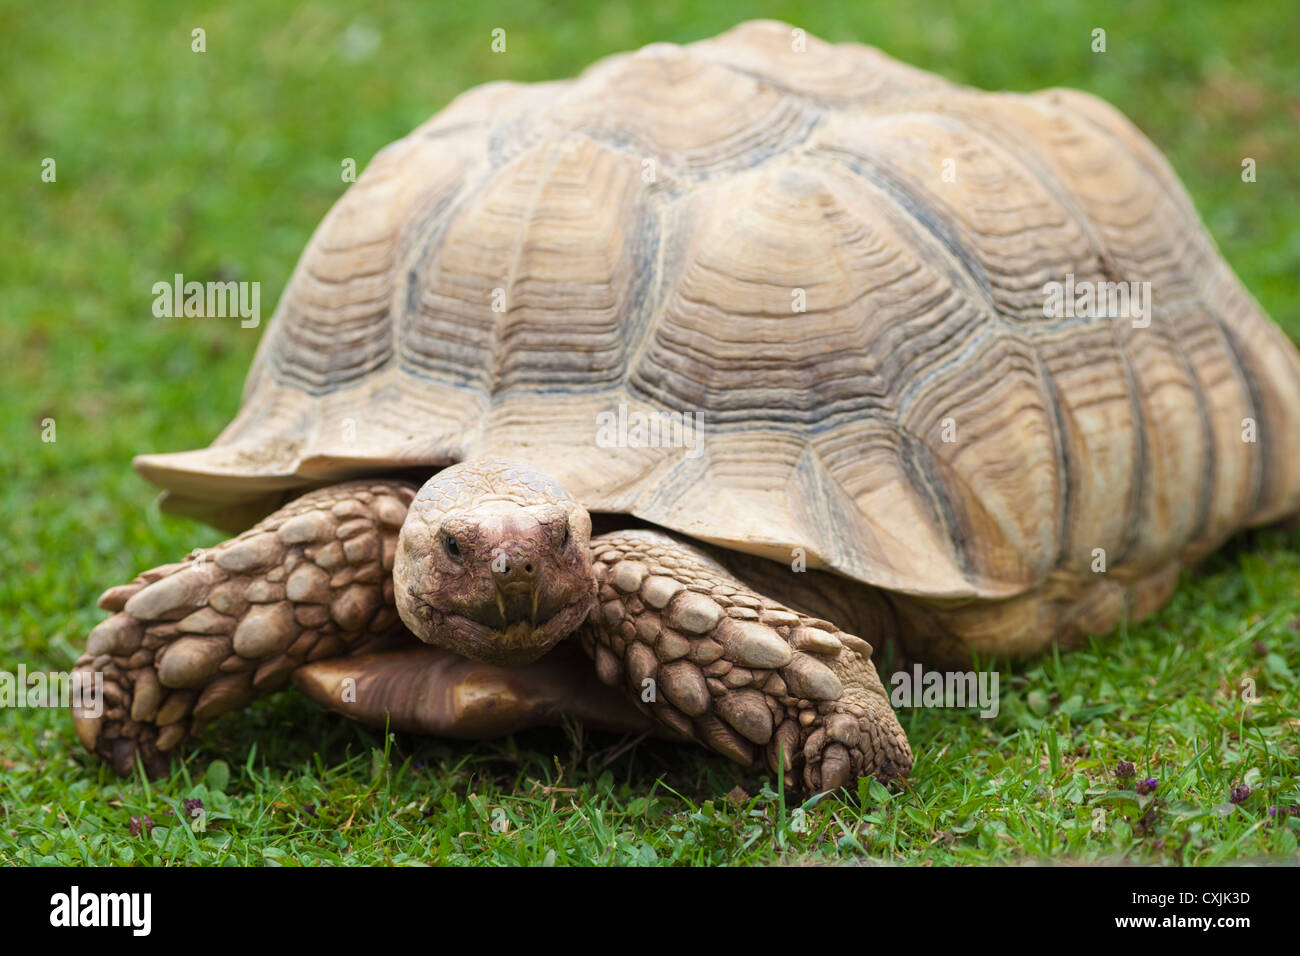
column 453, row 548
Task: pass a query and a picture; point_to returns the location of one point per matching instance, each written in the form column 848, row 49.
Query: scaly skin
column 194, row 640
column 742, row 674
column 492, row 564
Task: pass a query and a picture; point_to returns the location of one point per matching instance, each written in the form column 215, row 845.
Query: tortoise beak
column 515, row 601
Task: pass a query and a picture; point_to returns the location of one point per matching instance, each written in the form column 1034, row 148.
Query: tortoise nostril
column 521, row 571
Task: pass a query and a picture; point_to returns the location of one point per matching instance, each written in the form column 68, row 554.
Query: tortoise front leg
column 736, row 671
column 206, row 636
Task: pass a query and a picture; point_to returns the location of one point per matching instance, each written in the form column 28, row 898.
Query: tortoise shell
column 834, row 266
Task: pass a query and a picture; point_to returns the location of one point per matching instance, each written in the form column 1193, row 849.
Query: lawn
column 218, row 165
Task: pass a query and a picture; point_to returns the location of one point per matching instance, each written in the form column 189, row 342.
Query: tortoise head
column 494, row 562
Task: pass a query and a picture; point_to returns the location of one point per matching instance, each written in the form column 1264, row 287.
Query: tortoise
column 665, row 397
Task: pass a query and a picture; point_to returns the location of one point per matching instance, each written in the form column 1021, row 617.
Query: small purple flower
column 1272, row 811
column 309, row 809
column 1239, row 794
column 137, row 824
column 191, row 804
column 1147, row 786
column 1124, row 769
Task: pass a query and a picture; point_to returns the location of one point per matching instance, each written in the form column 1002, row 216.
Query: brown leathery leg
column 196, row 639
column 740, row 673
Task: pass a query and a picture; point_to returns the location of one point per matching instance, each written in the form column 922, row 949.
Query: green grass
column 220, row 164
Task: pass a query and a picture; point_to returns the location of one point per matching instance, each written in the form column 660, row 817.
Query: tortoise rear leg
column 193, row 640
column 737, row 671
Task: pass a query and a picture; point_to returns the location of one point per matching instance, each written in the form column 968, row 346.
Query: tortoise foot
column 190, row 641
column 736, row 671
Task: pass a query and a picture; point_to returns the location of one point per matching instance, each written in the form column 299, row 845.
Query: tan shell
column 647, row 229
